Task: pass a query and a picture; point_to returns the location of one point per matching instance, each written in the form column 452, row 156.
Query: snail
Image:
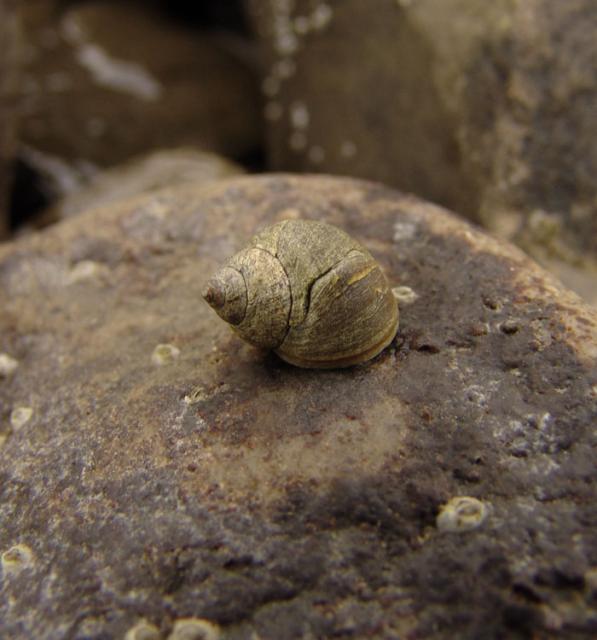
column 308, row 291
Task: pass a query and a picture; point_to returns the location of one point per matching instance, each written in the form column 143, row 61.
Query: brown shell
column 310, row 292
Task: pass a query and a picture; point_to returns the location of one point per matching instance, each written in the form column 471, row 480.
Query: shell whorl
column 254, row 280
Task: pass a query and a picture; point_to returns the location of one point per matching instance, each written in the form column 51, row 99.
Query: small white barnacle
column 405, row 295
column 462, row 513
column 17, row 558
column 164, row 354
column 8, row 365
column 20, row 416
column 143, row 631
column 194, row 629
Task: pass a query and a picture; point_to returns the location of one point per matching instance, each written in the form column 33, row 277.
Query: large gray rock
column 106, row 81
column 156, row 467
column 488, row 108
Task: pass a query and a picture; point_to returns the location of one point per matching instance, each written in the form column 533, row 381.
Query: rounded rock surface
column 278, row 502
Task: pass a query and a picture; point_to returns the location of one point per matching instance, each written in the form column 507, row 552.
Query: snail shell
column 308, row 291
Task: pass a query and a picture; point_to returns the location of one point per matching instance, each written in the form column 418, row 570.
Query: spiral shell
column 308, row 291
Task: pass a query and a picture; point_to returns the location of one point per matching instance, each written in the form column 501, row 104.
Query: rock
column 108, row 81
column 9, row 62
column 488, row 108
column 261, row 500
column 541, row 237
column 147, row 173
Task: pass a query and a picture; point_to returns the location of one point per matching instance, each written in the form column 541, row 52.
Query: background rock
column 147, row 173
column 488, row 108
column 106, row 81
column 167, row 470
column 8, row 82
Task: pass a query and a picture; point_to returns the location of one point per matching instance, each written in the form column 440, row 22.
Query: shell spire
column 226, row 294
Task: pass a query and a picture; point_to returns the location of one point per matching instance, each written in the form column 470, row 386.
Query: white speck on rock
column 62, row 173
column 20, row 416
column 404, row 231
column 119, row 75
column 8, row 365
column 164, row 354
column 405, row 295
column 299, row 115
column 198, row 395
column 17, row 558
column 85, row 270
column 143, row 631
column 462, row 513
column 286, row 43
column 194, row 629
column 321, row 16
column 544, row 421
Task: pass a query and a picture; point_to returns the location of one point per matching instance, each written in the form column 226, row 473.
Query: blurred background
column 489, row 109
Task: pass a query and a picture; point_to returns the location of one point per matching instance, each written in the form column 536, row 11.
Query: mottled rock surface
column 106, row 81
column 165, row 168
column 157, row 468
column 488, row 108
column 8, row 111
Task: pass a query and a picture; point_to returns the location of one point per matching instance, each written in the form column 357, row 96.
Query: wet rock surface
column 166, row 168
column 166, row 470
column 486, row 108
column 9, row 62
column 105, row 81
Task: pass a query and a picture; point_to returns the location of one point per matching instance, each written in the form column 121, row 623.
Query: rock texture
column 106, row 81
column 157, row 469
column 165, row 168
column 8, row 110
column 488, row 108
